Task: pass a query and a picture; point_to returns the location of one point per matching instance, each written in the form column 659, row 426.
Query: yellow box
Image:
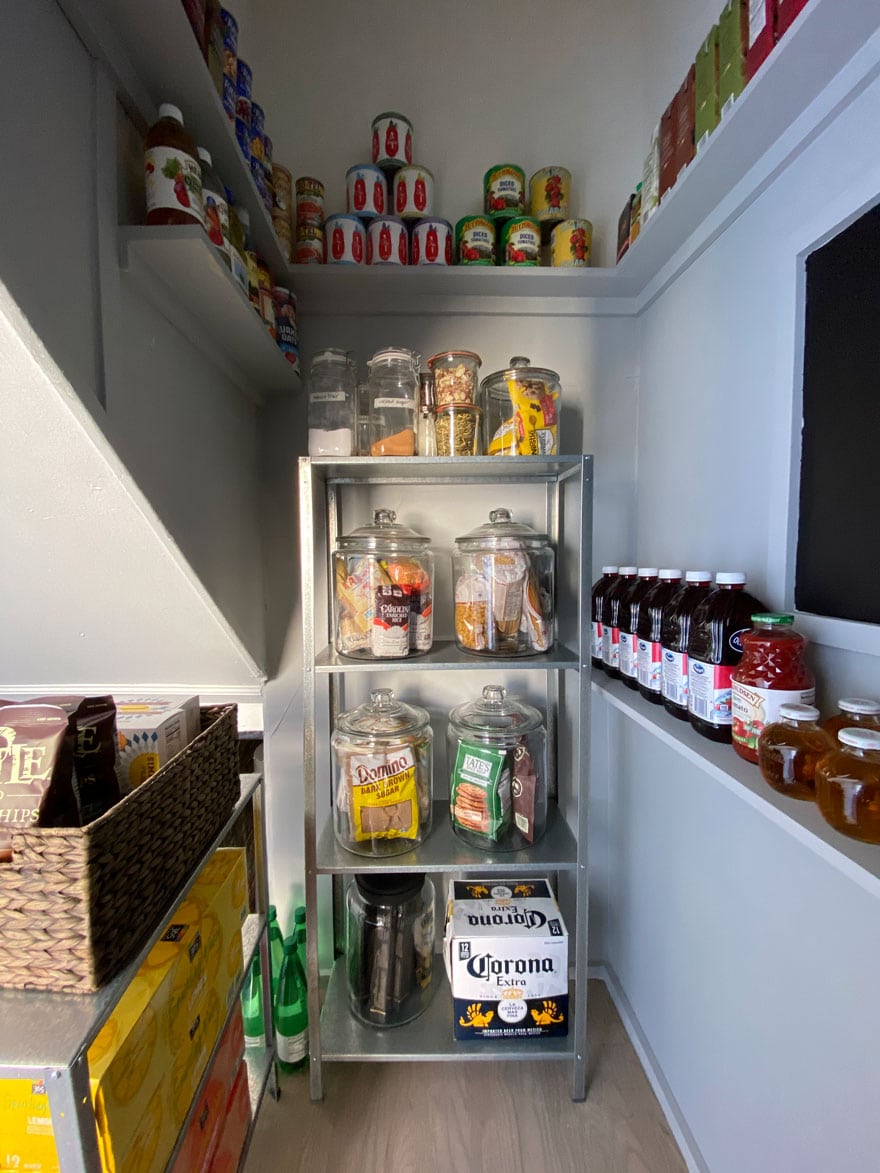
column 221, row 891
column 26, row 1138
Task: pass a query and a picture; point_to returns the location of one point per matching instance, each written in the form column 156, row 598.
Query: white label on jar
column 404, row 404
column 753, row 708
column 292, row 1048
column 173, row 180
column 675, row 677
column 596, row 643
column 627, row 654
column 327, row 397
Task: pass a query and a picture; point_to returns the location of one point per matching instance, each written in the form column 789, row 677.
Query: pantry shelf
column 446, row 654
column 181, row 273
column 439, row 470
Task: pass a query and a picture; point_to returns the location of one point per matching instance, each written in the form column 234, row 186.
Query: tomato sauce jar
column 387, row 242
column 366, row 192
column 771, row 673
column 345, row 240
column 550, row 195
column 392, row 141
column 475, row 241
column 521, row 241
column 431, row 243
column 413, row 192
column 504, row 191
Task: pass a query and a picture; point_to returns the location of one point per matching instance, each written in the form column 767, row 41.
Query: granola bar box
column 506, row 956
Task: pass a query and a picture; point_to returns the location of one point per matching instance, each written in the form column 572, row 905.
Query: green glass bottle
column 252, row 1007
column 299, row 936
column 276, row 948
column 291, row 1012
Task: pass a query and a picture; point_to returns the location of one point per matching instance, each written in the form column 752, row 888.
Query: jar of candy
column 848, row 785
column 332, row 395
column 394, row 392
column 521, row 410
column 789, row 748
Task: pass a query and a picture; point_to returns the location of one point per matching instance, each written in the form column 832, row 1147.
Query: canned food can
column 475, row 241
column 366, row 193
column 229, row 95
column 309, row 252
column 387, row 242
column 392, row 140
column 258, row 119
column 286, row 333
column 229, row 27
column 550, row 194
column 265, row 286
column 281, row 224
column 309, row 200
column 268, row 144
column 346, row 242
column 258, row 146
column 310, row 231
column 285, row 240
column 413, row 192
column 521, row 241
column 504, row 189
column 243, row 107
column 282, row 187
column 431, row 243
column 243, row 134
column 244, row 79
column 570, row 244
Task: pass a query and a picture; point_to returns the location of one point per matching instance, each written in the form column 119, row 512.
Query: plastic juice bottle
column 854, row 712
column 772, row 672
column 215, row 205
column 276, row 947
column 611, row 619
column 848, row 785
column 649, row 650
column 788, row 750
column 291, row 1012
column 714, row 649
column 675, row 626
column 172, row 175
column 629, row 620
column 252, row 1007
column 600, row 589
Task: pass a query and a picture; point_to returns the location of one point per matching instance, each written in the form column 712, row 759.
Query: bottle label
column 255, row 1040
column 173, row 180
column 596, row 644
column 627, row 653
column 709, row 692
column 753, row 708
column 650, row 664
column 611, row 646
column 675, row 677
column 217, row 220
column 292, row 1048
column 327, row 397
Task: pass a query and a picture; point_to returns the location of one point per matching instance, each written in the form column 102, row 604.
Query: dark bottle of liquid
column 611, row 619
column 648, row 650
column 600, row 589
column 714, row 649
column 629, row 621
column 675, row 626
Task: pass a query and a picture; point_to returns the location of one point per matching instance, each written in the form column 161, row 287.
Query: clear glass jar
column 383, row 577
column 457, row 430
column 498, row 772
column 332, row 404
column 394, row 393
column 788, row 750
column 848, row 785
column 853, row 712
column 503, row 575
column 521, row 410
column 456, row 376
column 389, row 947
column 363, row 419
column 382, row 780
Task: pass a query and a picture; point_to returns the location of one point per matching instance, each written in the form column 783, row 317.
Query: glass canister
column 521, row 410
column 394, row 393
column 332, row 404
column 382, row 781
column 389, row 947
column 790, row 747
column 498, row 772
column 848, row 785
column 383, row 578
column 504, row 575
column 456, row 376
column 853, row 712
column 456, row 430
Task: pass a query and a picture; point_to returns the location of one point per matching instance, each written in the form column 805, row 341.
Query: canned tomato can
column 282, row 187
column 229, row 96
column 413, row 192
column 345, row 240
column 392, row 140
column 366, row 192
column 570, row 244
column 310, row 251
column 475, row 241
column 521, row 241
column 431, row 243
column 309, row 200
column 550, row 194
column 387, row 242
column 504, row 189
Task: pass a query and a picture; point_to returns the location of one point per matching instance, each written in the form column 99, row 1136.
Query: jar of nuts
column 455, row 376
column 456, row 429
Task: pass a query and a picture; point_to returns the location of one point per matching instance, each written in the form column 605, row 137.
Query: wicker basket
column 76, row 904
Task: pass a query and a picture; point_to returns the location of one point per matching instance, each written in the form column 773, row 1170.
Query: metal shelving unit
column 334, row 1034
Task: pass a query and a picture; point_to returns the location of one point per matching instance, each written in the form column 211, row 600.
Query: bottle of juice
column 629, row 620
column 788, row 750
column 611, row 619
column 853, row 712
column 772, row 672
column 714, row 649
column 649, row 648
column 848, row 785
column 215, row 205
column 675, row 625
column 172, row 175
column 600, row 589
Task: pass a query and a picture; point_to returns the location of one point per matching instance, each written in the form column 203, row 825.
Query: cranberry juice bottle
column 611, row 620
column 771, row 673
column 675, row 624
column 600, row 589
column 714, row 649
column 650, row 661
column 629, row 621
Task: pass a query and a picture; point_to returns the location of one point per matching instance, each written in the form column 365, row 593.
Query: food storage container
column 550, row 194
column 520, row 241
column 394, row 390
column 521, row 410
column 309, row 200
column 475, row 241
column 366, row 192
column 571, row 243
column 389, row 947
column 383, row 578
column 387, row 241
column 848, row 785
column 457, row 430
column 504, row 575
column 413, row 192
column 504, row 191
column 392, row 140
column 498, row 772
column 431, row 242
column 456, row 375
column 382, row 784
column 332, row 409
column 346, row 240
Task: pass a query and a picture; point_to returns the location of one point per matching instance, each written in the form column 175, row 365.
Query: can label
column 366, row 193
column 309, row 201
column 550, row 194
column 521, row 241
column 173, row 180
column 431, row 243
column 387, row 242
column 258, row 147
column 244, row 79
column 243, row 108
column 229, row 96
column 309, row 252
column 475, row 240
column 413, row 193
column 346, row 244
column 258, row 118
column 287, row 335
column 392, row 141
column 505, row 191
column 571, row 244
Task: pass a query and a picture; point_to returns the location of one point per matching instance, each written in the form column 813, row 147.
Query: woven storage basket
column 76, row 904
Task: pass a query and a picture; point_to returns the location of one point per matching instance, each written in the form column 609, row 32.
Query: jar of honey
column 848, row 785
column 788, row 750
column 853, row 712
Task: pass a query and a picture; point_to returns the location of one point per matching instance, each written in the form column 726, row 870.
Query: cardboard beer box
column 506, row 956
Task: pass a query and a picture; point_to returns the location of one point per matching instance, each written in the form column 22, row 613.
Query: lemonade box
column 26, row 1137
column 225, row 1154
column 207, row 1118
column 221, row 892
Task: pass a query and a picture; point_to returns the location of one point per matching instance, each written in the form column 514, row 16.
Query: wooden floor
column 473, row 1117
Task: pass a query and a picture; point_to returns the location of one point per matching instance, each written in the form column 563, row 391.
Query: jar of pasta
column 382, row 782
column 394, row 393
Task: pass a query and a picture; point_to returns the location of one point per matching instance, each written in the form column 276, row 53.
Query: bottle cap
column 205, row 155
column 768, row 619
column 698, row 576
column 799, row 712
column 629, row 570
column 667, row 573
column 858, row 704
column 273, row 912
column 166, row 110
column 730, row 578
column 609, row 570
column 647, row 572
column 860, row 738
column 299, row 915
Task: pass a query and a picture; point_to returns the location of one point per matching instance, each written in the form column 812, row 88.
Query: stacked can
column 229, row 25
column 260, row 170
column 309, row 221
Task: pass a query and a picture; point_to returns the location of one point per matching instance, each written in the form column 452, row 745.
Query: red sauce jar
column 771, row 673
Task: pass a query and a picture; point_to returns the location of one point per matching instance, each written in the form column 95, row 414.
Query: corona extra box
column 506, row 955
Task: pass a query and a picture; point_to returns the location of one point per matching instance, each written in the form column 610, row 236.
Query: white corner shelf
column 179, row 270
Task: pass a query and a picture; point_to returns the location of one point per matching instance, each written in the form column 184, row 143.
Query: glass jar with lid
column 790, row 747
column 383, row 576
column 521, row 410
column 332, row 403
column 853, row 712
column 394, row 393
column 382, row 779
column 848, row 785
column 503, row 575
column 498, row 772
column 456, row 377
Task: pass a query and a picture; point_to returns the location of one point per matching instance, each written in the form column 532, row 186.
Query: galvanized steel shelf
column 446, row 654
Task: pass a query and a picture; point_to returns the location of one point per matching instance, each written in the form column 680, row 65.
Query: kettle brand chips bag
column 32, row 787
column 92, row 730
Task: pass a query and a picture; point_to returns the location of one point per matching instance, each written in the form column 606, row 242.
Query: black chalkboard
column 838, row 550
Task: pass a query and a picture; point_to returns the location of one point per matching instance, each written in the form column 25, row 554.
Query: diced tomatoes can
column 504, row 191
column 345, row 239
column 366, row 192
column 392, row 141
column 413, row 193
column 387, row 241
column 550, row 195
column 431, row 243
column 309, row 201
column 571, row 244
column 521, row 241
column 475, row 241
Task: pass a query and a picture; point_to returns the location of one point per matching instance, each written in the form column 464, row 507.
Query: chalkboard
column 838, row 549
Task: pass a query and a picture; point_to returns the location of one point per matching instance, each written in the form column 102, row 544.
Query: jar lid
column 609, row 570
column 520, row 369
column 698, row 576
column 860, row 738
column 799, row 712
column 858, row 704
column 730, row 578
column 395, row 354
column 454, row 408
column 384, row 534
column 452, row 355
column 332, row 354
column 771, row 619
column 390, row 887
column 629, row 571
column 382, row 717
column 495, row 713
column 169, row 110
column 503, row 532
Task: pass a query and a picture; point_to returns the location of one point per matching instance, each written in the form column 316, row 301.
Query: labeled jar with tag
column 521, row 410
column 394, row 389
column 383, row 589
column 497, row 750
column 332, row 394
column 382, row 776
